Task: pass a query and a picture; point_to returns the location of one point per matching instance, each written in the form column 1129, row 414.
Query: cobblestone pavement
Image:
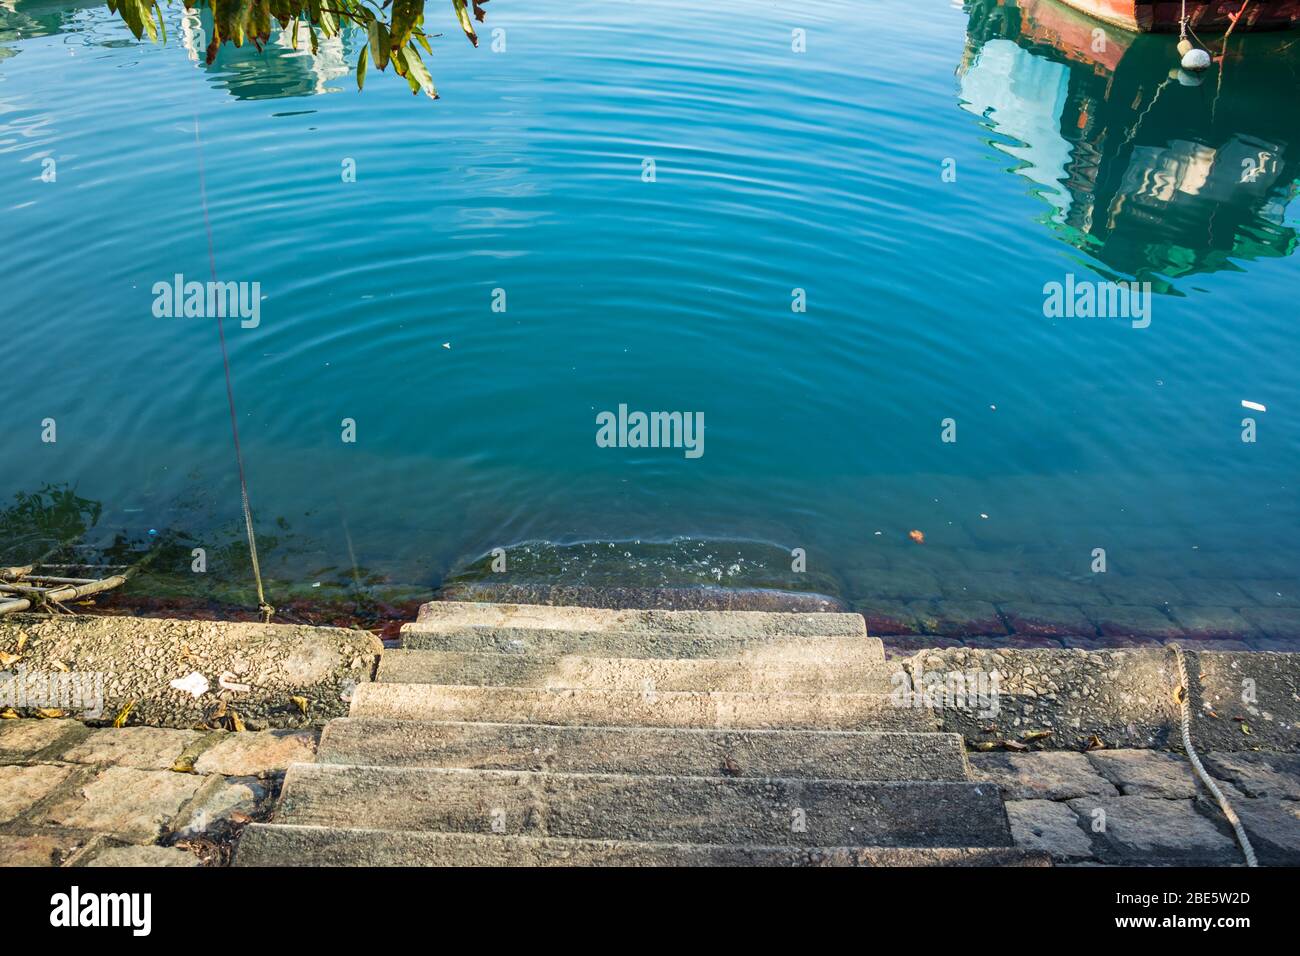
column 71, row 795
column 1146, row 807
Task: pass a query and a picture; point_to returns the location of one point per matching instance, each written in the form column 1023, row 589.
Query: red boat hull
column 1207, row 16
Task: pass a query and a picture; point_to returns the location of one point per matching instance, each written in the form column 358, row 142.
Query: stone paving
column 1145, row 807
column 72, row 795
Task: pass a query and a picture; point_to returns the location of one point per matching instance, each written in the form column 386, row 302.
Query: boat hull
column 1207, row 16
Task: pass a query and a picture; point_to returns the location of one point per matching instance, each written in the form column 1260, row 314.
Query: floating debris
column 1253, row 406
column 917, row 536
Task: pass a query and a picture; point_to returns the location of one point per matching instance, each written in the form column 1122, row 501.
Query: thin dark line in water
column 265, row 608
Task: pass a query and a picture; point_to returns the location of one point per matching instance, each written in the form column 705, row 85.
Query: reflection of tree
column 396, row 40
column 276, row 70
column 45, row 519
column 1148, row 172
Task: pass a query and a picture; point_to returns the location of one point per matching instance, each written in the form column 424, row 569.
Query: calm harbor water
column 774, row 171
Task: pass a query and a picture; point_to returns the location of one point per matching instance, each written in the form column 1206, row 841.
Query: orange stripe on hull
column 1161, row 16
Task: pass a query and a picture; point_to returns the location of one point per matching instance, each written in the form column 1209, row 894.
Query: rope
column 262, row 605
column 1181, row 695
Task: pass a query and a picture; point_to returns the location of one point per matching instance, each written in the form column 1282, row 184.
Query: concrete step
column 852, row 669
column 556, row 642
column 761, row 812
column 568, row 617
column 605, row 707
column 644, row 750
column 283, row 845
column 547, row 591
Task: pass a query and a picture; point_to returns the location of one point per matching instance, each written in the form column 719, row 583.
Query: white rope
column 1183, row 696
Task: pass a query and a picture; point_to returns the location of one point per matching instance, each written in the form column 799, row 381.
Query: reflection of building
column 276, row 70
column 1145, row 169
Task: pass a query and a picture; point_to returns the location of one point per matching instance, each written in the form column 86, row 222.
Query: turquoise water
column 774, row 171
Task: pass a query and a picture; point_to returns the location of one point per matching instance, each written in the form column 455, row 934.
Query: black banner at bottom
column 282, row 907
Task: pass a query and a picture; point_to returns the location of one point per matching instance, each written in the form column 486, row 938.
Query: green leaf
column 462, row 14
column 145, row 15
column 379, row 44
column 415, row 67
column 361, row 66
column 405, row 13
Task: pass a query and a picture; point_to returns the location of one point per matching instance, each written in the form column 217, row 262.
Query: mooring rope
column 1183, row 696
column 262, row 605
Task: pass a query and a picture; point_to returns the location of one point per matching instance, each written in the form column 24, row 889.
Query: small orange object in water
column 916, row 536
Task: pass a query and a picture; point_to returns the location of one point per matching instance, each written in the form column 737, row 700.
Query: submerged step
column 741, row 811
column 847, row 755
column 842, row 665
column 286, row 845
column 613, row 708
column 556, row 642
column 569, row 617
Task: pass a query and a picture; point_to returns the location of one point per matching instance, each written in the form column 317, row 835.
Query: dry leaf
column 1015, row 745
column 1095, row 743
column 8, row 714
column 50, row 713
column 120, row 720
column 236, row 722
column 58, row 665
column 1245, row 728
column 730, row 767
column 8, row 660
column 22, row 641
column 983, row 746
column 301, row 703
column 1030, row 736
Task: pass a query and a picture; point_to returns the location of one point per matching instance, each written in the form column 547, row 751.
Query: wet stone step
column 569, row 617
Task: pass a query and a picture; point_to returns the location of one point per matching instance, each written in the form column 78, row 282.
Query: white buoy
column 1196, row 61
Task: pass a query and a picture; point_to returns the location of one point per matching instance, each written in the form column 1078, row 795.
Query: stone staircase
column 535, row 735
